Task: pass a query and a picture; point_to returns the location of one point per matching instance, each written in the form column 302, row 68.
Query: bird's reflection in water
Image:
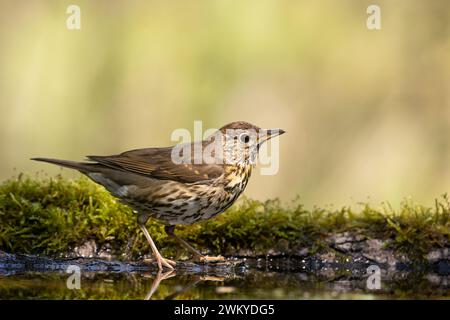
column 160, row 276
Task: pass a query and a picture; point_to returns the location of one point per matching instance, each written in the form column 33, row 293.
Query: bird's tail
column 81, row 166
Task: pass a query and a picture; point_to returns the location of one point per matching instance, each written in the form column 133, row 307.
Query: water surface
column 250, row 280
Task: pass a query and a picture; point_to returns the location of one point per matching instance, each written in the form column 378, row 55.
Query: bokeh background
column 367, row 112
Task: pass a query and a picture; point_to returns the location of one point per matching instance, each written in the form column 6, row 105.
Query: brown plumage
column 172, row 185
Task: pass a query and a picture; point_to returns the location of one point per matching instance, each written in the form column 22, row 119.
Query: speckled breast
column 177, row 203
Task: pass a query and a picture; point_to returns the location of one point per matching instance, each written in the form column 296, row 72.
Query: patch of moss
column 53, row 215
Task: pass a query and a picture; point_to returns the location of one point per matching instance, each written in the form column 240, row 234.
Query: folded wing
column 157, row 163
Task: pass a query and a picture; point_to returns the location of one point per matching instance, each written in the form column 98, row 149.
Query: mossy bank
column 60, row 217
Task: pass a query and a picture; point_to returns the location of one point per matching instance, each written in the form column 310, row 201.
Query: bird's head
column 240, row 141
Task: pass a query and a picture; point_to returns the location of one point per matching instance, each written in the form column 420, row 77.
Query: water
column 254, row 279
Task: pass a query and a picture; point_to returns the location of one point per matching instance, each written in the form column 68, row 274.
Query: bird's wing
column 157, row 163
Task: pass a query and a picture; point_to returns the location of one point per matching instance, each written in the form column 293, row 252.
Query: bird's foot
column 208, row 259
column 167, row 263
column 162, row 262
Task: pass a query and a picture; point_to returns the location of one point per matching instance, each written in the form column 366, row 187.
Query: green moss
column 52, row 215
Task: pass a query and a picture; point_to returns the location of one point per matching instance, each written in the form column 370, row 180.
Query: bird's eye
column 245, row 138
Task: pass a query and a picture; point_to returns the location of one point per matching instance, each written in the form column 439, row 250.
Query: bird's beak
column 274, row 132
column 268, row 134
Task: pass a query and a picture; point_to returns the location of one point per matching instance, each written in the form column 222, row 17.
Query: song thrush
column 182, row 184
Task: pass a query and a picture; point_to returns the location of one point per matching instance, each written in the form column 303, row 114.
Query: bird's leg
column 159, row 258
column 170, row 230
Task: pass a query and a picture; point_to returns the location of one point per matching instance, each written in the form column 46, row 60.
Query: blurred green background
column 367, row 112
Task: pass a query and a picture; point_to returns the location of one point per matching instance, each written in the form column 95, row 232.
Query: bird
column 182, row 184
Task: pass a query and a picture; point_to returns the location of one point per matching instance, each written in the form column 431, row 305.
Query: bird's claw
column 162, row 262
column 207, row 259
column 166, row 263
